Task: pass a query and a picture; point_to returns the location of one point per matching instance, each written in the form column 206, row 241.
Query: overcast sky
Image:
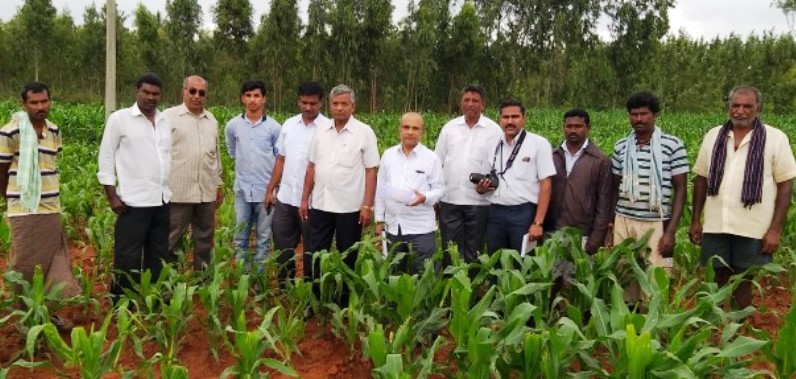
column 698, row 18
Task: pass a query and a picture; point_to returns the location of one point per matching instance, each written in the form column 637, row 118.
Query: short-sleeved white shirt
column 464, row 150
column 725, row 213
column 294, row 145
column 340, row 161
column 520, row 183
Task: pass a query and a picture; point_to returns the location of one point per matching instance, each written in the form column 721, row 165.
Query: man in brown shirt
column 195, row 171
column 581, row 195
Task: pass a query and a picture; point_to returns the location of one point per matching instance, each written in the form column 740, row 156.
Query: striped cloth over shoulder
column 674, row 162
column 49, row 147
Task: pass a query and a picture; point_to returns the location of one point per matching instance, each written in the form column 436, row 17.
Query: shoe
column 62, row 324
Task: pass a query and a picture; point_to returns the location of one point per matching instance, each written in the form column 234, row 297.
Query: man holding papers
column 409, row 184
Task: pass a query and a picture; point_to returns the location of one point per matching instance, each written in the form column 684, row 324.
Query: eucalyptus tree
column 182, row 26
column 343, row 40
column 463, row 58
column 90, row 45
column 423, row 35
column 374, row 28
column 316, row 37
column 38, row 19
column 153, row 49
column 637, row 28
column 233, row 20
column 275, row 50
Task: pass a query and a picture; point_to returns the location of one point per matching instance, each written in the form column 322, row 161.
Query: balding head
column 411, row 130
column 194, row 93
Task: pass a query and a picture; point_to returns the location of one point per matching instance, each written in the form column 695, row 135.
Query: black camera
column 475, row 178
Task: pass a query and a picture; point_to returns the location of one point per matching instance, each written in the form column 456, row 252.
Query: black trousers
column 323, row 226
column 142, row 243
column 464, row 225
column 508, row 225
column 287, row 230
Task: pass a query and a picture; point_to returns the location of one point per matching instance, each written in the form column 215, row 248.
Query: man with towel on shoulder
column 744, row 184
column 29, row 146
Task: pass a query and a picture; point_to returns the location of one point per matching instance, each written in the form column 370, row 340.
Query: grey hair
column 192, row 77
column 746, row 89
column 342, row 89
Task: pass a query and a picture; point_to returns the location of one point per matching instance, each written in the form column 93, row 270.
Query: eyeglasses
column 193, row 91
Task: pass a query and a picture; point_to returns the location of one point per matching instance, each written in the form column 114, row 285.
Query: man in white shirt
column 523, row 164
column 287, row 181
column 340, row 183
column 134, row 167
column 463, row 146
column 196, row 171
column 409, row 184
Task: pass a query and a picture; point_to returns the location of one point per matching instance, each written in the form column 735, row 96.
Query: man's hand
column 379, row 228
column 591, row 247
column 666, row 245
column 365, row 216
column 535, row 232
column 269, row 199
column 117, row 205
column 771, row 241
column 483, row 186
column 304, row 211
column 219, row 197
column 419, row 199
column 695, row 233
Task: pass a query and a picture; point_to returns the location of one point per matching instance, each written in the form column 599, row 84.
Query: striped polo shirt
column 675, row 162
column 49, row 147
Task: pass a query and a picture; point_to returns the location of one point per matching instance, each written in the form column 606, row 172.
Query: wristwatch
column 539, row 224
column 367, row 208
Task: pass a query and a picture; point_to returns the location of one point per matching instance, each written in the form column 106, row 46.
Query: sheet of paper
column 527, row 245
column 384, row 250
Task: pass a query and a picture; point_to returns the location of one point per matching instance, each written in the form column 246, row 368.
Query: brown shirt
column 582, row 200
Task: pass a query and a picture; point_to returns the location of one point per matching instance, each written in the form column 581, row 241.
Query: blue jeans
column 248, row 215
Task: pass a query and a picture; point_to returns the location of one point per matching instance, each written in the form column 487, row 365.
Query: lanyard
column 514, row 152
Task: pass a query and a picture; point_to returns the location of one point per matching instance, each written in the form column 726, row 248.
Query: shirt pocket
column 348, row 157
column 524, row 167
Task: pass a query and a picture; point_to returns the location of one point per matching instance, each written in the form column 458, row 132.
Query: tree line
column 546, row 53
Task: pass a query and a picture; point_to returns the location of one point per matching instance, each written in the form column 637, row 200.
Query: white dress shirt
column 294, row 145
column 420, row 171
column 520, row 183
column 463, row 151
column 569, row 158
column 340, row 161
column 135, row 156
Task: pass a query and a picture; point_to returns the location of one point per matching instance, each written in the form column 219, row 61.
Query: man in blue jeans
column 251, row 142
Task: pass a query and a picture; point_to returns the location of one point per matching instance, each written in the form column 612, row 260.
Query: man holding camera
column 518, row 183
column 463, row 147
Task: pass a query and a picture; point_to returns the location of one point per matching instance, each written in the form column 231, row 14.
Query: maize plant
column 88, row 351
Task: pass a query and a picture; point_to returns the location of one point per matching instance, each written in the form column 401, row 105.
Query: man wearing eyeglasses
column 196, row 171
column 522, row 163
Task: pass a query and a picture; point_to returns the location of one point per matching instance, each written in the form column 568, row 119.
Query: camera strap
column 512, row 157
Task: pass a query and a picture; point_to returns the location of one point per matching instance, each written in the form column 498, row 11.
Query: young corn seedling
column 210, row 296
column 249, row 348
column 237, row 301
column 88, row 351
column 347, row 322
column 34, row 298
column 176, row 314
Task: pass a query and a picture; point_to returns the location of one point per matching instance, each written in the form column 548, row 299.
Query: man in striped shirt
column 195, row 171
column 650, row 169
column 29, row 146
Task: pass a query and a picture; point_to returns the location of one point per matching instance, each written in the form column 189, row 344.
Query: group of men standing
column 316, row 179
